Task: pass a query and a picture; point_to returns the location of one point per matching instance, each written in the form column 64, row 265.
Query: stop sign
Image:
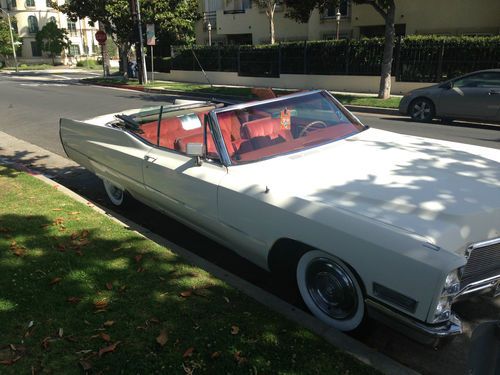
column 101, row 37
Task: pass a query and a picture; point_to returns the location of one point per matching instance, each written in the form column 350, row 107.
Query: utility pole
column 138, row 45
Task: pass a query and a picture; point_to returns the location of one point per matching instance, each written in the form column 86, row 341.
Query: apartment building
column 29, row 16
column 243, row 22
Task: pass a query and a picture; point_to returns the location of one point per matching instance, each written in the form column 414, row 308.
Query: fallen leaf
column 57, row 209
column 55, row 280
column 162, row 338
column 101, row 304
column 30, row 324
column 154, row 320
column 10, row 362
column 108, row 323
column 45, row 343
column 75, row 213
column 186, row 293
column 215, row 355
column 226, row 299
column 239, row 358
column 74, row 300
column 188, row 353
column 235, row 330
column 105, row 337
column 75, row 235
column 109, row 286
column 140, row 269
column 138, row 258
column 108, row 349
column 85, row 233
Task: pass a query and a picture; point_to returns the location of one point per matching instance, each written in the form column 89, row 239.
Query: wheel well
column 285, row 254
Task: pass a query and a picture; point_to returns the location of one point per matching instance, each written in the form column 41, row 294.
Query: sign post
column 101, row 38
column 151, row 41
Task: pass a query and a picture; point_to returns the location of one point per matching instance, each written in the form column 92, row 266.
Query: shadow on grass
column 86, row 284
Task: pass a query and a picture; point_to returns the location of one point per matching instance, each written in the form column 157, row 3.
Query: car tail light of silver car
column 451, row 289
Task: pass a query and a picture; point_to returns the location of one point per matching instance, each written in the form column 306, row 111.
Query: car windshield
column 284, row 125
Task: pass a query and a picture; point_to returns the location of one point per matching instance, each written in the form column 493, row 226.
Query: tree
column 5, row 41
column 300, row 10
column 173, row 17
column 53, row 40
column 270, row 7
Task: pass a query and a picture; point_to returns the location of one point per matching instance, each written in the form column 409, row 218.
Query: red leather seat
column 266, row 132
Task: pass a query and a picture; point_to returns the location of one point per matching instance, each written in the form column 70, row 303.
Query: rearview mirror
column 197, row 150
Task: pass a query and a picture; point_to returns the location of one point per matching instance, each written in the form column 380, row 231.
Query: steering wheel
column 312, row 125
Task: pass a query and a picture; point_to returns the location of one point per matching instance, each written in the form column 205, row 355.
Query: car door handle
column 151, row 159
column 494, row 92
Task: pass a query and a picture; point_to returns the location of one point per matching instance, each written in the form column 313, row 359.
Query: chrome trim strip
column 419, row 331
column 213, row 123
column 477, row 245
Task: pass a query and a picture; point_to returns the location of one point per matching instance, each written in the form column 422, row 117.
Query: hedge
column 416, row 58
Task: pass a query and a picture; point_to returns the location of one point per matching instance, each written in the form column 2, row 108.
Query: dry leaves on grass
column 108, row 323
column 162, row 338
column 17, row 249
column 215, row 355
column 101, row 305
column 188, row 353
column 239, row 358
column 105, row 337
column 235, row 330
column 73, row 300
column 108, row 349
column 55, row 280
column 186, row 293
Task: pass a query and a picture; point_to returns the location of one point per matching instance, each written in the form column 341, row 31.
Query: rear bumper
column 424, row 333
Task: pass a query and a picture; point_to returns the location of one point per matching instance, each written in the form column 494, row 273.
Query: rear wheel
column 421, row 110
column 330, row 290
column 115, row 194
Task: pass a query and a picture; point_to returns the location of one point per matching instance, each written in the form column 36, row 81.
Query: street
column 32, row 104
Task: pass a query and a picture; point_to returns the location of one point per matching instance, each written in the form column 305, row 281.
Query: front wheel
column 330, row 290
column 115, row 194
column 421, row 110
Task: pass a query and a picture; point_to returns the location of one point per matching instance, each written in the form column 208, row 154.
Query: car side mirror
column 196, row 150
column 447, row 85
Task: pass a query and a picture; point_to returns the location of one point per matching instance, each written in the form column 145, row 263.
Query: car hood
column 447, row 192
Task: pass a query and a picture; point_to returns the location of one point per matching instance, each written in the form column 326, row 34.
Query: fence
column 416, row 58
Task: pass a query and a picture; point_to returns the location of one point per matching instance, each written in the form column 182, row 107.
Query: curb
column 341, row 341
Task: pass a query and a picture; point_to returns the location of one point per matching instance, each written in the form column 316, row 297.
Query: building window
column 331, row 12
column 72, row 27
column 53, row 19
column 13, row 3
column 32, row 25
column 49, row 3
column 30, row 3
column 35, row 50
column 74, row 50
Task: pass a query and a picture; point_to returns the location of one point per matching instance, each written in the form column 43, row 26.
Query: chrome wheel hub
column 331, row 289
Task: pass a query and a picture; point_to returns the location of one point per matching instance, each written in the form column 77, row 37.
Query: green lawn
column 82, row 294
column 245, row 91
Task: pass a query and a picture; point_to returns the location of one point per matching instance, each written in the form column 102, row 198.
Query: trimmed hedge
column 416, row 58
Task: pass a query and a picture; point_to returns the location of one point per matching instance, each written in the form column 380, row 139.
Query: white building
column 32, row 15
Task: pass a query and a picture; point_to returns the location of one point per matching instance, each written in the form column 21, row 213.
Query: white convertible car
column 368, row 222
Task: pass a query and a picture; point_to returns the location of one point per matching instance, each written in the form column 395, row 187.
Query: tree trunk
column 105, row 53
column 123, row 49
column 271, row 7
column 390, row 34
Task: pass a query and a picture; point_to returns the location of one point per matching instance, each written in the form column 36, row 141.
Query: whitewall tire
column 330, row 290
column 115, row 194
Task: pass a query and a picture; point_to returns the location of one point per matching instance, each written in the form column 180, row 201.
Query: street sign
column 150, row 35
column 101, row 37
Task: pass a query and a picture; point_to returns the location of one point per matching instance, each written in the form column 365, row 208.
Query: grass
column 81, row 293
column 31, row 67
column 246, row 91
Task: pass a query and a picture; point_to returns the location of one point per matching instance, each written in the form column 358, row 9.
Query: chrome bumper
column 490, row 286
column 424, row 333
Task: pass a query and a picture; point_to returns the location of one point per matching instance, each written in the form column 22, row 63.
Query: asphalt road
column 30, row 108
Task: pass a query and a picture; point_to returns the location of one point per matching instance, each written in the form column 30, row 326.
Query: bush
column 88, row 63
column 416, row 58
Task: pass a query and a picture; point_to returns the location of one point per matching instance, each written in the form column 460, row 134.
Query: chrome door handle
column 149, row 158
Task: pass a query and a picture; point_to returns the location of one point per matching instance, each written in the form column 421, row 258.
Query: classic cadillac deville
column 366, row 222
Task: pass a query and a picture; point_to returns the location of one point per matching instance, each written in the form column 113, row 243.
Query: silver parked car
column 474, row 96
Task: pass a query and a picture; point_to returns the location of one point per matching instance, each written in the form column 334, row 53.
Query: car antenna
column 203, row 70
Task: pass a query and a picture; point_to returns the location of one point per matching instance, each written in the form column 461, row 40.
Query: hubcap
column 115, row 192
column 331, row 289
column 421, row 110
